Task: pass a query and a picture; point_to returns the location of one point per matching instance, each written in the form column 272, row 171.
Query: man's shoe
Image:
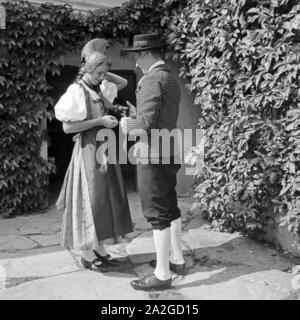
column 151, row 283
column 179, row 269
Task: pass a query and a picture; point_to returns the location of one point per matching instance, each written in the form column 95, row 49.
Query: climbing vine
column 242, row 60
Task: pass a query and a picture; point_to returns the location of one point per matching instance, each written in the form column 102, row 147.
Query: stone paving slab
column 83, row 285
column 28, row 230
column 16, row 242
column 47, row 240
column 8, row 229
column 43, row 263
column 45, row 225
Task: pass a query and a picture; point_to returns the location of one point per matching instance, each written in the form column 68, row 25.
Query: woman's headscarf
column 97, row 44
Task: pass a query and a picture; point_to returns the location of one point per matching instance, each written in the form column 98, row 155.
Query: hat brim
column 133, row 49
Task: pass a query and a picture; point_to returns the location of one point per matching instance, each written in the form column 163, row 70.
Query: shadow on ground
column 239, row 259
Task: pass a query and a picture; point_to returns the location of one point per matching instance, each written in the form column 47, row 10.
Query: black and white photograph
column 149, row 151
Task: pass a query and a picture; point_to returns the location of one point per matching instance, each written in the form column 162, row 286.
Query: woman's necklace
column 95, row 88
column 98, row 91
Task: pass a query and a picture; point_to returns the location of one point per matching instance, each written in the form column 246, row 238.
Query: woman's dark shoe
column 179, row 269
column 95, row 265
column 107, row 260
column 151, row 283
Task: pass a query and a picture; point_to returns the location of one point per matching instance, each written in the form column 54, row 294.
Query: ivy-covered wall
column 31, row 46
column 242, row 58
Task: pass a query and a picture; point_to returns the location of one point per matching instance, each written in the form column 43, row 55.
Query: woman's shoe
column 95, row 265
column 107, row 260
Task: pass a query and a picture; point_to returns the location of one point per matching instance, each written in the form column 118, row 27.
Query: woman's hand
column 80, row 126
column 109, row 121
column 120, row 82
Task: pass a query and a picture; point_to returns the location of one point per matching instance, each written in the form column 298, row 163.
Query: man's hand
column 132, row 109
column 123, row 110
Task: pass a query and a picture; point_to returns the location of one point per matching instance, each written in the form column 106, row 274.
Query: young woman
column 93, row 195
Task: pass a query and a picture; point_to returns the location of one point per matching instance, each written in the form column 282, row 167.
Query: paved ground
column 221, row 265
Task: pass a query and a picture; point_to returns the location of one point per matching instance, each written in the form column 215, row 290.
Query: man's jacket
column 158, row 98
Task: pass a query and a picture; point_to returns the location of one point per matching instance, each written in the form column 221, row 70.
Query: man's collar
column 156, row 64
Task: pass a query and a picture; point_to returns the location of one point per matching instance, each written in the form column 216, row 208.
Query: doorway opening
column 60, row 145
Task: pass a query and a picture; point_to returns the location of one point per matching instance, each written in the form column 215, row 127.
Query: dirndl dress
column 93, row 195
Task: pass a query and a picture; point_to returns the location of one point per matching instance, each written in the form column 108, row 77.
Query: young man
column 158, row 97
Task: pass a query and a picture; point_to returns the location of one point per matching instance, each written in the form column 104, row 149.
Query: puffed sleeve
column 71, row 105
column 109, row 90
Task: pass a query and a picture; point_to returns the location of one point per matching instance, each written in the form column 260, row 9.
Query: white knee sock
column 162, row 248
column 176, row 244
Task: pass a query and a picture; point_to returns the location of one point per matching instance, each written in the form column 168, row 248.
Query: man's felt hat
column 143, row 42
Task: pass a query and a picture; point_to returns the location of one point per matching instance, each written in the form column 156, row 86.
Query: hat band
column 145, row 43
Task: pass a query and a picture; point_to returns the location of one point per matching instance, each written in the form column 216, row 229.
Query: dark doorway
column 60, row 145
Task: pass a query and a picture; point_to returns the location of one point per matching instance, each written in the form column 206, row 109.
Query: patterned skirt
column 94, row 199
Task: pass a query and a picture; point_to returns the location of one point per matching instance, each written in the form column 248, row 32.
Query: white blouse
column 71, row 106
column 109, row 90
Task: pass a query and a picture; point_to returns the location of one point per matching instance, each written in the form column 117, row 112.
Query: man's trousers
column 157, row 188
